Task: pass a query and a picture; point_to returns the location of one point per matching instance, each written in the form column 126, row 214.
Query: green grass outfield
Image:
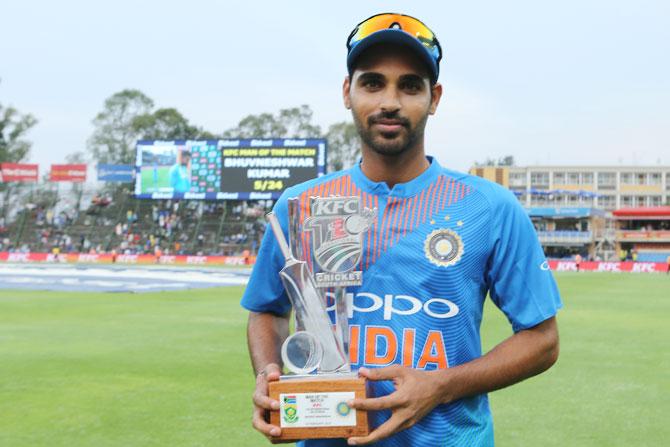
column 171, row 369
column 162, row 180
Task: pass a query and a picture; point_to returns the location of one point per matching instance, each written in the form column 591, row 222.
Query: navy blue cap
column 398, row 37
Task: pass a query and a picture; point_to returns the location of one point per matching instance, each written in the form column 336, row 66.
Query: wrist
column 445, row 382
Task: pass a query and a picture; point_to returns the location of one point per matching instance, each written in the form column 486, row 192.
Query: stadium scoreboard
column 233, row 169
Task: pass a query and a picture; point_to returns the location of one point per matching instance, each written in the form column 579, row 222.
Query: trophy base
column 314, row 407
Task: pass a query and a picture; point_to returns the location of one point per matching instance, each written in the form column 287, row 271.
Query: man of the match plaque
column 313, row 399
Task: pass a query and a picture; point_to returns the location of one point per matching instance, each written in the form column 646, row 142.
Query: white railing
column 579, row 237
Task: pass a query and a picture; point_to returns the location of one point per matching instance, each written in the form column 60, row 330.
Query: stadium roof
column 643, row 213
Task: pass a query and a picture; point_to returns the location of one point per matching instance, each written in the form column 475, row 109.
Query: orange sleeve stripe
column 408, row 214
column 443, row 200
column 429, row 195
column 417, row 211
column 380, row 232
column 436, row 194
column 391, row 207
column 377, row 225
column 398, row 224
column 451, row 193
column 368, row 203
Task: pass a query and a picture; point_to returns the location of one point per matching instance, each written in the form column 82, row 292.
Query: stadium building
column 565, row 232
column 643, row 234
column 604, row 187
column 574, row 207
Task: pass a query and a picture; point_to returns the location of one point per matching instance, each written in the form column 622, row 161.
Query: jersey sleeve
column 519, row 280
column 265, row 291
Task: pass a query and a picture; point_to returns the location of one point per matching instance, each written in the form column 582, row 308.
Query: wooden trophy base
column 313, row 407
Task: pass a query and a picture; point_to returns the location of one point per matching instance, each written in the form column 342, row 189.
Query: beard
column 390, row 143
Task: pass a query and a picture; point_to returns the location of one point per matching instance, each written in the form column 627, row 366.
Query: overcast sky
column 570, row 82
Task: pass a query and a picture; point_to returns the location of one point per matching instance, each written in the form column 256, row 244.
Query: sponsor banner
column 116, row 173
column 603, row 266
column 68, row 173
column 557, row 266
column 642, row 235
column 127, row 259
column 18, row 172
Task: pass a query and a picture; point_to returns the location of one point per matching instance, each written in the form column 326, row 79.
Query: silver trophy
column 335, row 227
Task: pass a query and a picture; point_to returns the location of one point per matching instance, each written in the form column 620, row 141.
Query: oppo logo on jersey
column 396, row 305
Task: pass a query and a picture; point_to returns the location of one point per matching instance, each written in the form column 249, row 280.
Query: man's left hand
column 416, row 394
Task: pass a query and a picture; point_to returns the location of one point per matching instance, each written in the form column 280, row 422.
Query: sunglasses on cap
column 408, row 24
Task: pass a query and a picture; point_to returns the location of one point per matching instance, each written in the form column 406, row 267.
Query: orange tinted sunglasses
column 408, row 24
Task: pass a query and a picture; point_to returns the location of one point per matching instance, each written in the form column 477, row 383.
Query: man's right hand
column 263, row 403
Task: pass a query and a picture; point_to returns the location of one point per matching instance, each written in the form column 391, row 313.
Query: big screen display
column 239, row 169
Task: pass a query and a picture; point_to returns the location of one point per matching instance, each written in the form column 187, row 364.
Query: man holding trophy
column 387, row 266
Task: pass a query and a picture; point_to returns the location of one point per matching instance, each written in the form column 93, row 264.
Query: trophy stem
column 342, row 320
column 294, row 228
column 307, row 302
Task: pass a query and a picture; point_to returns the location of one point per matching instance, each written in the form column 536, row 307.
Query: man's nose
column 390, row 101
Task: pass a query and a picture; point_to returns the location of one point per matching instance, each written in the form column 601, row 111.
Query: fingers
column 376, row 404
column 263, row 403
column 388, row 373
column 393, row 425
column 259, row 423
column 260, row 396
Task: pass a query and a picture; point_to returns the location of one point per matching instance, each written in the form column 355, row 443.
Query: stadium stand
column 643, row 233
column 119, row 223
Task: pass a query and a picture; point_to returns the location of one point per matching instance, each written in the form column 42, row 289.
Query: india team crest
column 337, row 225
column 443, row 247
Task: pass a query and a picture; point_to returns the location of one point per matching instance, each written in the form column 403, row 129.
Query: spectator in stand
column 578, row 260
column 40, row 217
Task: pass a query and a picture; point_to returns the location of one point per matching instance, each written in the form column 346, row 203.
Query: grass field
column 160, row 183
column 171, row 369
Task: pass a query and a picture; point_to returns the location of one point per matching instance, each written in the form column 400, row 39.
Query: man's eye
column 411, row 86
column 372, row 83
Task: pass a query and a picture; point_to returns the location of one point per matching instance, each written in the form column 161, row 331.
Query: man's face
column 185, row 158
column 390, row 97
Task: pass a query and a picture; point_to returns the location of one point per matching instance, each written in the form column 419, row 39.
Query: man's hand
column 524, row 354
column 416, row 394
column 263, row 403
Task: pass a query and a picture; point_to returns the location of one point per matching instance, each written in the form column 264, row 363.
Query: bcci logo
column 337, row 225
column 290, row 410
column 443, row 247
column 343, row 409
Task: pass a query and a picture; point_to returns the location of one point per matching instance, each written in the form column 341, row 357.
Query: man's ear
column 435, row 95
column 346, row 90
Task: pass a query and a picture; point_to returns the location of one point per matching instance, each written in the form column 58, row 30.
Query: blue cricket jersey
column 179, row 178
column 439, row 243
